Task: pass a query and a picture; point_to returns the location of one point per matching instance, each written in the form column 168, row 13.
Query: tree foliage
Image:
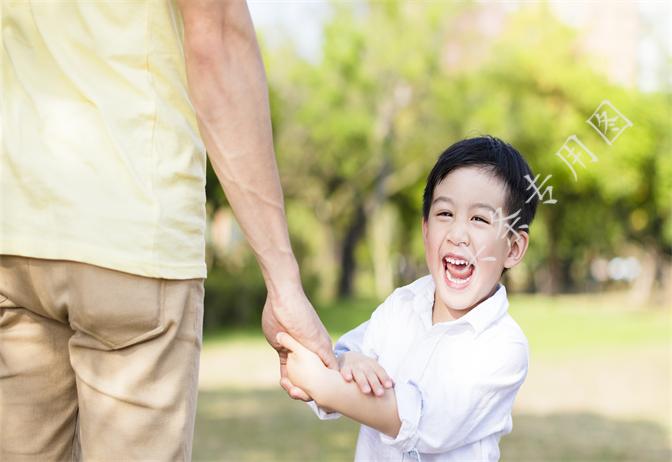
column 357, row 131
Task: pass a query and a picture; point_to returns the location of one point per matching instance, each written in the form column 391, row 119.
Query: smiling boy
column 434, row 372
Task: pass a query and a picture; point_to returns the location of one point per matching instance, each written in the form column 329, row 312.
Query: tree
column 358, row 131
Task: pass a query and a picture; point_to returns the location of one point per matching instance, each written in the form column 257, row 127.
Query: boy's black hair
column 497, row 157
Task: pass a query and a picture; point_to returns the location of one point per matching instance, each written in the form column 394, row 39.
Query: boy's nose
column 458, row 235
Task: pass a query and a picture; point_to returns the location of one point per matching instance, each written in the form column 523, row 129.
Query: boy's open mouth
column 458, row 270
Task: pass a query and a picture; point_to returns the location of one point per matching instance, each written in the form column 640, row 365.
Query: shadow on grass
column 265, row 425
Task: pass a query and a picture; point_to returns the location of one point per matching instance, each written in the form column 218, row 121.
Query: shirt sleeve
column 368, row 337
column 448, row 410
column 321, row 413
column 352, row 340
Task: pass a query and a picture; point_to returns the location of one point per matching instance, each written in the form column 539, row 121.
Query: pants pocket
column 117, row 309
column 5, row 302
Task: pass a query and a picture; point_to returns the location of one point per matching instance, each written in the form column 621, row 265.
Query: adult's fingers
column 299, row 394
column 286, row 384
column 327, row 356
column 294, row 392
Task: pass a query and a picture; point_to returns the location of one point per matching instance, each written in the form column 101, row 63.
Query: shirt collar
column 479, row 318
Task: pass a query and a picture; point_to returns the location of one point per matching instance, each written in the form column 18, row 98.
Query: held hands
column 365, row 371
column 303, row 367
column 293, row 313
column 305, row 370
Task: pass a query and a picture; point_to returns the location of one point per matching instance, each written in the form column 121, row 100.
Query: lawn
column 556, row 326
column 598, row 389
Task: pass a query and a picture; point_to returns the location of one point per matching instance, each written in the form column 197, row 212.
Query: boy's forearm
column 228, row 89
column 333, row 393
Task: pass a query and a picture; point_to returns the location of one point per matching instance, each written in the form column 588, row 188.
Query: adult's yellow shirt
column 101, row 159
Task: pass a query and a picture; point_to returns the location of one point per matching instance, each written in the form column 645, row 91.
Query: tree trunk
column 348, row 264
column 385, row 134
column 640, row 290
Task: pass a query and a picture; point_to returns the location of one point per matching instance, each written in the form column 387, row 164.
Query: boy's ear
column 517, row 248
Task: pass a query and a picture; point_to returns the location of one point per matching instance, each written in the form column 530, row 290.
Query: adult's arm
column 228, row 89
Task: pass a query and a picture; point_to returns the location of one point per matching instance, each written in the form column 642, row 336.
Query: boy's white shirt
column 455, row 382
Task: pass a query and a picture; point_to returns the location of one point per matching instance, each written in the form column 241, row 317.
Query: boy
column 457, row 358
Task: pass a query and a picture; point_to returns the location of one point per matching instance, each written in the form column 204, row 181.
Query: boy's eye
column 445, row 214
column 482, row 219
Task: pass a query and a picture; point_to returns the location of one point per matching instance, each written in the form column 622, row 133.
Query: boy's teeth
column 458, row 271
column 458, row 280
column 455, row 261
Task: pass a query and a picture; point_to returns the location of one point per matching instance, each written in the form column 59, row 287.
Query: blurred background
column 365, row 96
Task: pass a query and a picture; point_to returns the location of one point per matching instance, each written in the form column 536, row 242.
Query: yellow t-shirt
column 101, row 158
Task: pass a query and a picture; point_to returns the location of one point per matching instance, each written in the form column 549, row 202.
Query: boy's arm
column 437, row 414
column 333, row 393
column 328, row 388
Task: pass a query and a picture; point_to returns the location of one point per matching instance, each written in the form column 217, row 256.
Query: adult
column 102, row 219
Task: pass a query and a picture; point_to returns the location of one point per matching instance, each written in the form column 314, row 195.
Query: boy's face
column 467, row 244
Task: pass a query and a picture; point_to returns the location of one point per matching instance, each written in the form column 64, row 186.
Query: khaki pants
column 96, row 364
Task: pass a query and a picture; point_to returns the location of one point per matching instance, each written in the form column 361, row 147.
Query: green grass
column 261, row 424
column 264, row 425
column 574, row 324
column 561, row 325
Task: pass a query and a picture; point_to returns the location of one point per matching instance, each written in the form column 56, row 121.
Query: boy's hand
column 365, row 371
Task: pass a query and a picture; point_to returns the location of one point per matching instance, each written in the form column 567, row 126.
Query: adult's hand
column 294, row 314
